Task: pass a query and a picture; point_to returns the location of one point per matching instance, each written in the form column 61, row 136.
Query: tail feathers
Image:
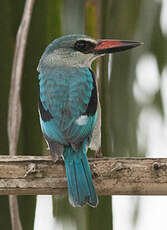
column 81, row 190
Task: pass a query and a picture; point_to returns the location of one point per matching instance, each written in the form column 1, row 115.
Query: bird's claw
column 99, row 153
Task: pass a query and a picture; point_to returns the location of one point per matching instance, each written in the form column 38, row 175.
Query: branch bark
column 14, row 112
column 112, row 176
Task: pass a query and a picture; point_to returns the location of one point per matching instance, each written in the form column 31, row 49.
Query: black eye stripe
column 84, row 46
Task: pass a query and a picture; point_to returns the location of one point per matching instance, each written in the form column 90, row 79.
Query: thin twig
column 14, row 112
column 14, row 212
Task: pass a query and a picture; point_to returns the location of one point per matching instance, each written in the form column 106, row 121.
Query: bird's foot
column 99, row 153
column 56, row 158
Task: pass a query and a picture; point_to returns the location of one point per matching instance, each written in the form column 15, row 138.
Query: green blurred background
column 132, row 90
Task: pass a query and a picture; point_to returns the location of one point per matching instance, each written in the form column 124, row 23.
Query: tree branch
column 14, row 112
column 14, row 212
column 112, row 176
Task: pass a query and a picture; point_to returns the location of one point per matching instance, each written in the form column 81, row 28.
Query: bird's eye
column 84, row 46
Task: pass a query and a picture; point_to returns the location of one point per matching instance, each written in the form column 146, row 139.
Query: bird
column 68, row 106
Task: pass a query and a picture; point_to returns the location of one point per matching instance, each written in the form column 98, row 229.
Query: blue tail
column 81, row 190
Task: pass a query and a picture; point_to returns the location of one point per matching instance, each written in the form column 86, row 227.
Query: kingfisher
column 68, row 106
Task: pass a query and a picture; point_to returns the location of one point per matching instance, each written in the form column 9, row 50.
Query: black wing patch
column 45, row 114
column 92, row 106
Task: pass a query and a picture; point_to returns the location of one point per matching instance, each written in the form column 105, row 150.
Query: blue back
column 65, row 93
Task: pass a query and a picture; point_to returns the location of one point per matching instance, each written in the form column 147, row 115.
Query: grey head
column 68, row 51
column 79, row 50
